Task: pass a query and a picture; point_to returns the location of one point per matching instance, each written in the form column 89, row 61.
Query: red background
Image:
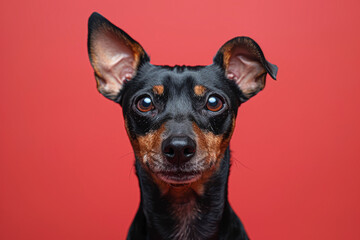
column 65, row 161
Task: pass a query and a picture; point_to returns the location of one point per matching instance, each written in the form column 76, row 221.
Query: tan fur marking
column 149, row 143
column 227, row 55
column 158, row 89
column 199, row 90
column 146, row 146
column 209, row 146
column 213, row 145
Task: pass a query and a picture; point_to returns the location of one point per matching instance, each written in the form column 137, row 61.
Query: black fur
column 179, row 112
column 154, row 219
column 217, row 220
column 178, row 83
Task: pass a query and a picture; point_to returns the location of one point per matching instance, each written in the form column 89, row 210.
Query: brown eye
column 145, row 104
column 214, row 104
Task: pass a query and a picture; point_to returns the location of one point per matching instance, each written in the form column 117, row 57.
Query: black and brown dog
column 179, row 120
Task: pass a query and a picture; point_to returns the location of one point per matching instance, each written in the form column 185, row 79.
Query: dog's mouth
column 179, row 178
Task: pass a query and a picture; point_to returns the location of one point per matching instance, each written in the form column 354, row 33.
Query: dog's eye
column 214, row 103
column 145, row 104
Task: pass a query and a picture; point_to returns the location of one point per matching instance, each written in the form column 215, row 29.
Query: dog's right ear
column 114, row 56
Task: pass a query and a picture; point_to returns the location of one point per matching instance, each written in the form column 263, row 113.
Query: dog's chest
column 186, row 215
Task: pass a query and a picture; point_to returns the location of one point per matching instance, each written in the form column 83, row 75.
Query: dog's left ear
column 244, row 62
column 114, row 56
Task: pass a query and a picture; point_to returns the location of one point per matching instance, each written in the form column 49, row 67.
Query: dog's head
column 179, row 119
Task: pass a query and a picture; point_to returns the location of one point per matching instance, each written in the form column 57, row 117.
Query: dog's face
column 179, row 119
column 179, row 122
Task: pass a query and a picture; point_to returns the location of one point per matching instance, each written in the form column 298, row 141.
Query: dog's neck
column 183, row 213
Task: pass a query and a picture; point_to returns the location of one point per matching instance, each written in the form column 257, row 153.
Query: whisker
column 236, row 161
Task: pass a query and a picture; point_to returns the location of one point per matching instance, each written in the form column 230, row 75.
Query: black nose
column 179, row 149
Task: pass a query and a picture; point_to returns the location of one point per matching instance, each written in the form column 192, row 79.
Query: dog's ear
column 244, row 62
column 114, row 56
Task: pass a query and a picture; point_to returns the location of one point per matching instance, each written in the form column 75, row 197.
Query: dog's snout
column 178, row 149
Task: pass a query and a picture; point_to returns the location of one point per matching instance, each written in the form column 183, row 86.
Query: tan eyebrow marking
column 199, row 90
column 158, row 89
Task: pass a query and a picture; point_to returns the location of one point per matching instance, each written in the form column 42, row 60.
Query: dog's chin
column 178, row 178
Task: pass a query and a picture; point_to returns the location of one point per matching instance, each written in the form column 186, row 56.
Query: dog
column 179, row 120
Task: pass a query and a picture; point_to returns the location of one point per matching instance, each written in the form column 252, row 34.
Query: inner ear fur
column 114, row 56
column 243, row 62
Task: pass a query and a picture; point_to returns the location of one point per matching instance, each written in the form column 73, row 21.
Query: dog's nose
column 179, row 149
